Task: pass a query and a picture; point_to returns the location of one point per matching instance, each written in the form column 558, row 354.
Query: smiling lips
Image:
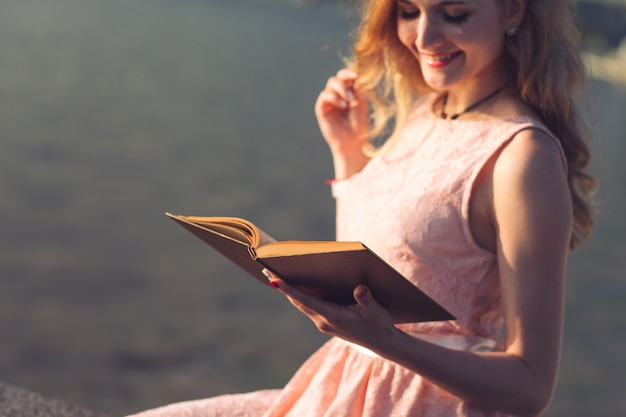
column 439, row 60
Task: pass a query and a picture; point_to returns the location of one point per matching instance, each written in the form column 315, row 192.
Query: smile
column 440, row 60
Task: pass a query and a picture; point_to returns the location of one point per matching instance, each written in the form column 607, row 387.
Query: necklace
column 444, row 115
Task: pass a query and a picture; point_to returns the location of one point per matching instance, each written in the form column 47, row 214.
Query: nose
column 427, row 32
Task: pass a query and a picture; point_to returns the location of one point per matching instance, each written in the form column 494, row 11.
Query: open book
column 328, row 269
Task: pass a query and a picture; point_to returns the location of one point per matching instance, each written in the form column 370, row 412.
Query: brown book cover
column 329, row 269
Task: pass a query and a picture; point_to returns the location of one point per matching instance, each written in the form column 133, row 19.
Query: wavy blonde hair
column 545, row 69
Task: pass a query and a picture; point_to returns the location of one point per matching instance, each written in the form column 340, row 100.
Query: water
column 114, row 111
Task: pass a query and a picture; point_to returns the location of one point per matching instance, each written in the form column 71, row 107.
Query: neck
column 472, row 102
column 464, row 94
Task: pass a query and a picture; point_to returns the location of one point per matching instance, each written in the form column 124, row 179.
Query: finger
column 347, row 74
column 296, row 295
column 361, row 294
column 276, row 282
column 286, row 289
column 269, row 275
column 309, row 304
column 329, row 101
column 364, row 299
column 343, row 88
column 349, row 77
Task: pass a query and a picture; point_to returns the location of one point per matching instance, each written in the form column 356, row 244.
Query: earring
column 512, row 31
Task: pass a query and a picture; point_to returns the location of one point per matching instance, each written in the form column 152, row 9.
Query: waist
column 460, row 342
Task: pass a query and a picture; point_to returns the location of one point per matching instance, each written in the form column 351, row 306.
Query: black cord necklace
column 444, row 115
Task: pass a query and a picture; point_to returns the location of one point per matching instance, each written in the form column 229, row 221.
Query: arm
column 530, row 211
column 343, row 116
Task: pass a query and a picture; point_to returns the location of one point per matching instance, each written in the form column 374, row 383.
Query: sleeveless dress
column 409, row 205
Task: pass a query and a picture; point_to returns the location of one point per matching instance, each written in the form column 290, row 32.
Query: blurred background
column 115, row 111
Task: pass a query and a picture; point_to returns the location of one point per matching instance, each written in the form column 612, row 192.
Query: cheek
column 406, row 34
column 480, row 42
column 489, row 50
column 485, row 33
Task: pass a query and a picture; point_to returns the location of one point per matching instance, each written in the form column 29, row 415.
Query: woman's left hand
column 366, row 323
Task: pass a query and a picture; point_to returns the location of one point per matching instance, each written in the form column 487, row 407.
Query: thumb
column 363, row 296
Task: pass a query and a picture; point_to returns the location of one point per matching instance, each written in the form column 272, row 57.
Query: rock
column 18, row 402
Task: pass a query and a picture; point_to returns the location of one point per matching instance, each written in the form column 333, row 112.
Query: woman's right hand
column 342, row 112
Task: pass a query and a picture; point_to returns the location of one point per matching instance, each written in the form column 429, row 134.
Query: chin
column 437, row 85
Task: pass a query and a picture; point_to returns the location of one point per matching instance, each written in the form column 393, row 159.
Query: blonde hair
column 545, row 69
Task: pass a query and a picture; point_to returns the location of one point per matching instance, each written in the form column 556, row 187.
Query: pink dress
column 410, row 206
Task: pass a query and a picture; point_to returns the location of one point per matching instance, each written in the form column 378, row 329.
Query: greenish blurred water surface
column 115, row 111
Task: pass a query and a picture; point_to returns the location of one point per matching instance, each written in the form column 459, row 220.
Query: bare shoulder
column 531, row 154
column 530, row 183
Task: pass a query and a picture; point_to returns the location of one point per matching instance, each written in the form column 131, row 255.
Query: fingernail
column 274, row 284
column 267, row 274
column 362, row 293
column 350, row 95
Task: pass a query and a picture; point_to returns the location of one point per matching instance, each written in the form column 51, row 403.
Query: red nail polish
column 274, row 284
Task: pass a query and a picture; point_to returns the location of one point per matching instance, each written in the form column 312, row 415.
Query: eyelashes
column 455, row 19
column 409, row 15
column 458, row 19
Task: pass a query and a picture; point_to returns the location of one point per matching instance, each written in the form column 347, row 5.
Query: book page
column 231, row 241
column 299, row 247
column 264, row 238
column 238, row 229
column 241, row 230
column 232, row 232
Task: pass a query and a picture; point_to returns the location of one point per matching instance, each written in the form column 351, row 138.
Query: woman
column 476, row 197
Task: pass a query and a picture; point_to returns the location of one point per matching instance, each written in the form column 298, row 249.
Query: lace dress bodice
column 411, row 206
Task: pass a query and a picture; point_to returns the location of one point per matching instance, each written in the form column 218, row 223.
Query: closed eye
column 458, row 19
column 409, row 15
column 407, row 10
